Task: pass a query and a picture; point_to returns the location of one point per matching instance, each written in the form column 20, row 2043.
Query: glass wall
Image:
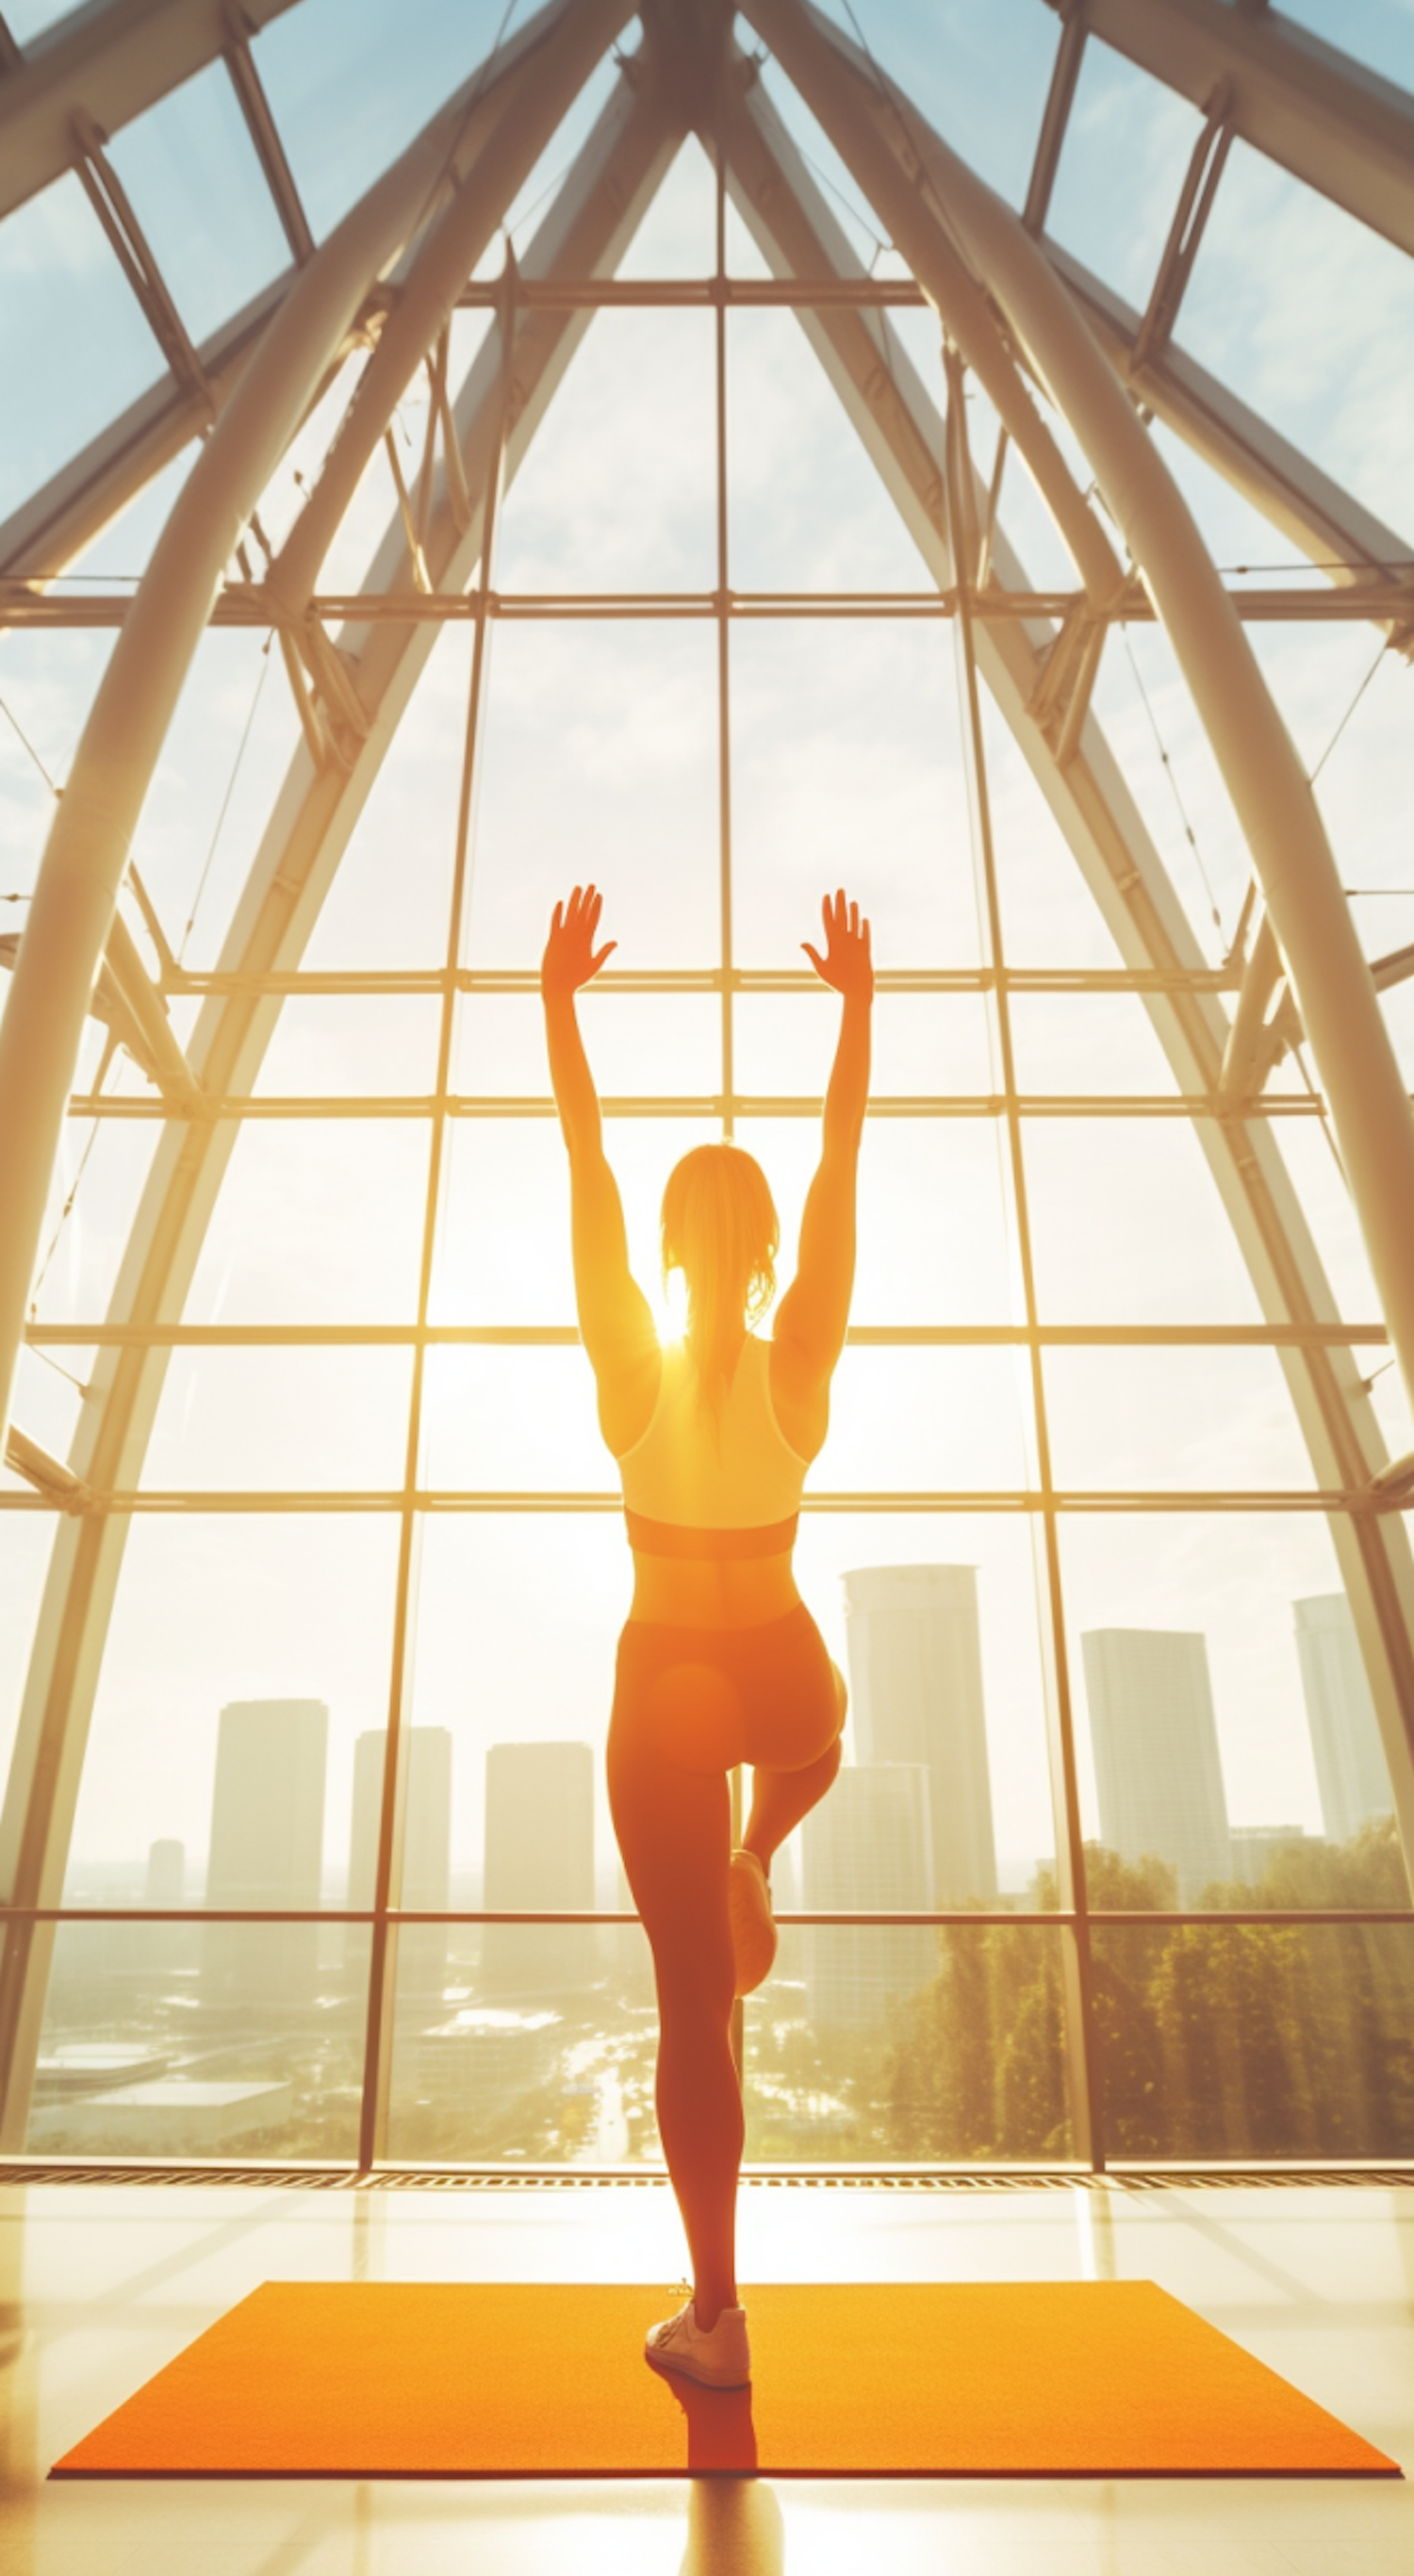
column 1090, row 1536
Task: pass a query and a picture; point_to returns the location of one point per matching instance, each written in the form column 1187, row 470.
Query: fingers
column 816, row 960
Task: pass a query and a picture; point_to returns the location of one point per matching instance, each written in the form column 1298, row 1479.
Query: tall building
column 539, row 1856
column 165, row 1946
column 427, row 1849
column 867, row 1847
column 1351, row 1772
column 267, row 1849
column 915, row 1686
column 1255, row 1847
column 1156, row 1751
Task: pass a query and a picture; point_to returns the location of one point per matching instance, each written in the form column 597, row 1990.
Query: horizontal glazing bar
column 860, row 1336
column 963, row 1916
column 963, row 1104
column 247, row 604
column 173, row 1502
column 574, row 294
column 316, row 985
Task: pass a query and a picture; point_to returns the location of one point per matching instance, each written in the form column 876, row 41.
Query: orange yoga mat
column 510, row 2380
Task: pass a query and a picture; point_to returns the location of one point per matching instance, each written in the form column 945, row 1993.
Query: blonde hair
column 720, row 1229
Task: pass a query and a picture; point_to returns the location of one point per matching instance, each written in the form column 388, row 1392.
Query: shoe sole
column 667, row 2369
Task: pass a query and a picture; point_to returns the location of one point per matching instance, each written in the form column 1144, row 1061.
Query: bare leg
column 674, row 1831
column 779, row 1799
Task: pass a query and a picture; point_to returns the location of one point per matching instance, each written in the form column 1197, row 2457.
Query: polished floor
column 101, row 2286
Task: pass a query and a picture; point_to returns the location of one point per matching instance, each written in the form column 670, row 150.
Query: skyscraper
column 915, row 1686
column 1156, row 1751
column 867, row 1846
column 427, row 1848
column 539, row 1855
column 1351, row 1772
column 165, row 1946
column 267, row 1849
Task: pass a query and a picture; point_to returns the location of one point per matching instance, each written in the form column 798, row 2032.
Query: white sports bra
column 695, row 1487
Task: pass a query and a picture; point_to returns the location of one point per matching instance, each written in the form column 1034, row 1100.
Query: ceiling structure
column 1074, row 378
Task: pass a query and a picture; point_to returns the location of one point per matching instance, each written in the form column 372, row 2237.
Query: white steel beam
column 109, row 61
column 1324, row 117
column 598, row 209
column 1060, row 98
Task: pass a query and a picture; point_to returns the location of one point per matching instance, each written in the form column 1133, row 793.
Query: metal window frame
column 379, row 653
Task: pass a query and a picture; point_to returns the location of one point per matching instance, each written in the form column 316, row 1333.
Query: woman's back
column 711, row 1494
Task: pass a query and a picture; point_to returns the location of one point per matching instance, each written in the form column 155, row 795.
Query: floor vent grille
column 460, row 2178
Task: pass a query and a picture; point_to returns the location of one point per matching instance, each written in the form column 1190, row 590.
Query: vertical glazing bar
column 1070, row 1857
column 724, row 722
column 382, row 1966
column 724, row 816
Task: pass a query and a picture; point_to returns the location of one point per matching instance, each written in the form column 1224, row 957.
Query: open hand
column 847, row 965
column 570, row 958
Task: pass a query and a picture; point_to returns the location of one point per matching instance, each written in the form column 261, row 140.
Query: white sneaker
column 721, row 2359
column 754, row 1934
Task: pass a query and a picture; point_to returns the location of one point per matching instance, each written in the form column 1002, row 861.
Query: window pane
column 600, row 763
column 224, row 758
column 389, row 904
column 933, row 1620
column 932, row 1237
column 952, row 1420
column 1229, row 1737
column 809, row 511
column 845, row 772
column 1083, row 1044
column 923, row 1043
column 504, row 1248
column 285, row 1620
column 512, row 1421
column 83, row 1250
column 1280, row 271
column 524, row 2043
column 1126, row 150
column 617, row 490
column 199, row 193
column 318, row 1221
column 271, row 1420
column 176, row 2040
column 1127, row 1225
column 663, row 1045
column 1254, row 2043
column 373, row 1046
column 348, row 96
column 889, row 2046
column 1049, row 916
column 1162, row 1420
column 517, row 1624
column 74, row 348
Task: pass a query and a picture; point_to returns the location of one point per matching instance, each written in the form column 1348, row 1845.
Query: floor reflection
column 721, row 2435
column 735, row 2527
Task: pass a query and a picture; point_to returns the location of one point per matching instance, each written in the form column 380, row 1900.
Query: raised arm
column 810, row 1327
column 614, row 1315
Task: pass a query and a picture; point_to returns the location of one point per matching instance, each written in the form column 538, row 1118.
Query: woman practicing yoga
column 720, row 1661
